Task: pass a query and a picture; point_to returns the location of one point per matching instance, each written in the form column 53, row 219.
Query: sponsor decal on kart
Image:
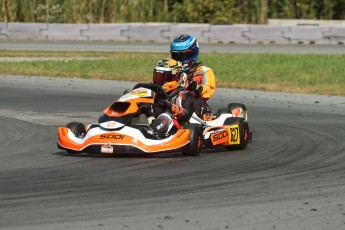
column 142, row 92
column 137, row 93
column 111, row 125
column 234, row 131
column 219, row 137
column 112, row 136
column 63, row 132
column 107, row 148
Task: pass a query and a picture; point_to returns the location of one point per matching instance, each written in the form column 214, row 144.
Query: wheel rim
column 245, row 136
column 198, row 141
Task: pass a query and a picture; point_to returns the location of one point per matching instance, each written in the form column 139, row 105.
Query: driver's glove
column 174, row 110
column 194, row 86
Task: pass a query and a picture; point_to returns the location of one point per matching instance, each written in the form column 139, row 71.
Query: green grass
column 318, row 74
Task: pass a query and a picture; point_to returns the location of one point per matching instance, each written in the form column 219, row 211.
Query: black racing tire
column 232, row 106
column 243, row 132
column 78, row 129
column 193, row 148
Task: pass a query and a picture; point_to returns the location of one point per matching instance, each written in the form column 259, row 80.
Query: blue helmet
column 185, row 49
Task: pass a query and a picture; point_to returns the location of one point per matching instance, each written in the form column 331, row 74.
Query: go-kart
column 124, row 127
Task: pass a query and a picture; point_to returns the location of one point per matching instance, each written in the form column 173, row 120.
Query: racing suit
column 202, row 81
column 172, row 114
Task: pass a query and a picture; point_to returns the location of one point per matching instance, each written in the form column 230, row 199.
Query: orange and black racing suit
column 165, row 122
column 205, row 78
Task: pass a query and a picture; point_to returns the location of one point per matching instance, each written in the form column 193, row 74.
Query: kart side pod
column 234, row 134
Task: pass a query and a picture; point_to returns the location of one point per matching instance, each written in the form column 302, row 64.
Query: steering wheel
column 158, row 89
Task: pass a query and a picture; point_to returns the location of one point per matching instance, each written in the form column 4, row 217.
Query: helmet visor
column 161, row 77
column 182, row 55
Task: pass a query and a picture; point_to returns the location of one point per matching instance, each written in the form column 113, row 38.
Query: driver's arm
column 205, row 77
column 186, row 110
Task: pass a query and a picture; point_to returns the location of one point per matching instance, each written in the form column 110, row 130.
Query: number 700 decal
column 234, row 131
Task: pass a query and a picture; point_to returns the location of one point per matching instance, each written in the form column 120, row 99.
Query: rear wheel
column 239, row 134
column 193, row 148
column 78, row 129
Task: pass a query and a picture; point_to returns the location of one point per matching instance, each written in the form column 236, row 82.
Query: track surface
column 290, row 177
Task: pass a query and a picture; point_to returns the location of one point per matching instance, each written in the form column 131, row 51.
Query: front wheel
column 193, row 148
column 78, row 129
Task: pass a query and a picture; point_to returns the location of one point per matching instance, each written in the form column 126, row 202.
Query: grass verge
column 316, row 74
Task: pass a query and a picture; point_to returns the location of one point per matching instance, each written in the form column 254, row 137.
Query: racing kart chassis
column 124, row 127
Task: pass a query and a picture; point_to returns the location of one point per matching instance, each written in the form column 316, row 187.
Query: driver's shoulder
column 203, row 68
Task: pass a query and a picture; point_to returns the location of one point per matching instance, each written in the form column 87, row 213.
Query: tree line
column 171, row 11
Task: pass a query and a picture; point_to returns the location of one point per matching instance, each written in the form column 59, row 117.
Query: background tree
column 176, row 11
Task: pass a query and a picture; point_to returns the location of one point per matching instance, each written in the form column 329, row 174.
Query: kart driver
column 201, row 78
column 171, row 113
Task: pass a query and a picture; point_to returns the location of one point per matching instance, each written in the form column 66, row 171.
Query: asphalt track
column 290, row 177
